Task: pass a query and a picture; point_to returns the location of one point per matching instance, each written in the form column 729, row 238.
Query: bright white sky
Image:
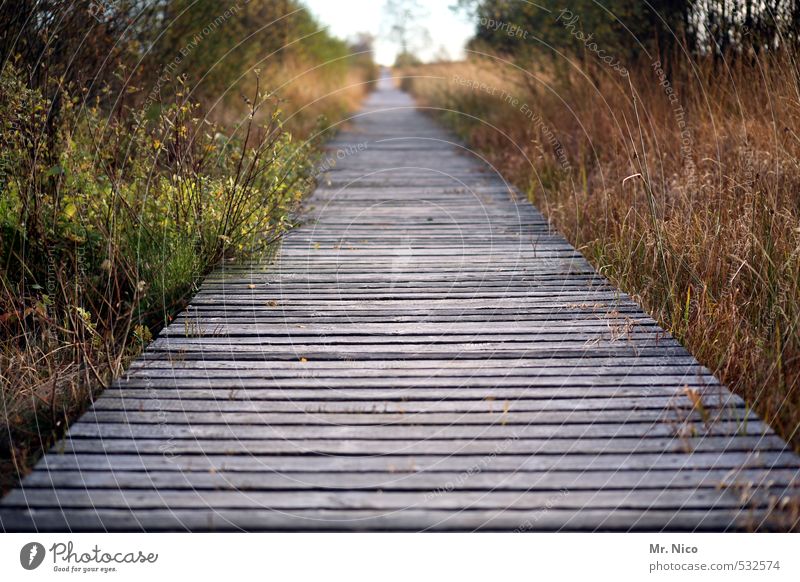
column 345, row 18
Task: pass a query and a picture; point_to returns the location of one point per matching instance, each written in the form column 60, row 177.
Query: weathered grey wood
column 463, row 405
column 445, row 367
column 233, row 391
column 424, row 353
column 158, row 487
column 406, row 464
column 527, row 382
column 487, row 447
column 677, row 518
column 552, row 368
column 306, row 380
column 420, row 432
column 403, row 418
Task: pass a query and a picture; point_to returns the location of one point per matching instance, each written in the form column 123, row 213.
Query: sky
column 346, row 18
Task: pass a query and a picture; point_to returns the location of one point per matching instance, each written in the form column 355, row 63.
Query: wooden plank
column 171, row 489
column 446, row 366
column 311, row 381
column 390, row 500
column 233, row 391
column 576, row 432
column 172, row 402
column 432, row 446
column 337, row 520
column 501, row 417
column 421, row 463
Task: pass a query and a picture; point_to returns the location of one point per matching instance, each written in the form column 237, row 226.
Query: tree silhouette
column 405, row 29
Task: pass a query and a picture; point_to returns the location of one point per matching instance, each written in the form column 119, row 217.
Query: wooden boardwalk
column 425, row 353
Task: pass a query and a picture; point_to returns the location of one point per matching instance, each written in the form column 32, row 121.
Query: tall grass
column 685, row 192
column 313, row 98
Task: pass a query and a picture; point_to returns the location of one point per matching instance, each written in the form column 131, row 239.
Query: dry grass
column 700, row 223
column 308, row 93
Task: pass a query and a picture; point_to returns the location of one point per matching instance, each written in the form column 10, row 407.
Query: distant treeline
column 633, row 30
column 133, row 50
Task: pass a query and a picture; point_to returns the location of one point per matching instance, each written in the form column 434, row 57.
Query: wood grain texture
column 425, row 353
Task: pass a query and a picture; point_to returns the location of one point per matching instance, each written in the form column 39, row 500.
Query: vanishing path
column 425, row 353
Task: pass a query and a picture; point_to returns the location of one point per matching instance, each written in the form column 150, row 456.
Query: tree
column 404, row 17
column 663, row 30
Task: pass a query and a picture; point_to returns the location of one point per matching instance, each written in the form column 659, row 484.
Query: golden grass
column 700, row 222
column 308, row 93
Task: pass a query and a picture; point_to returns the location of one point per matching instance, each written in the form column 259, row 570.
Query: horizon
column 449, row 30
